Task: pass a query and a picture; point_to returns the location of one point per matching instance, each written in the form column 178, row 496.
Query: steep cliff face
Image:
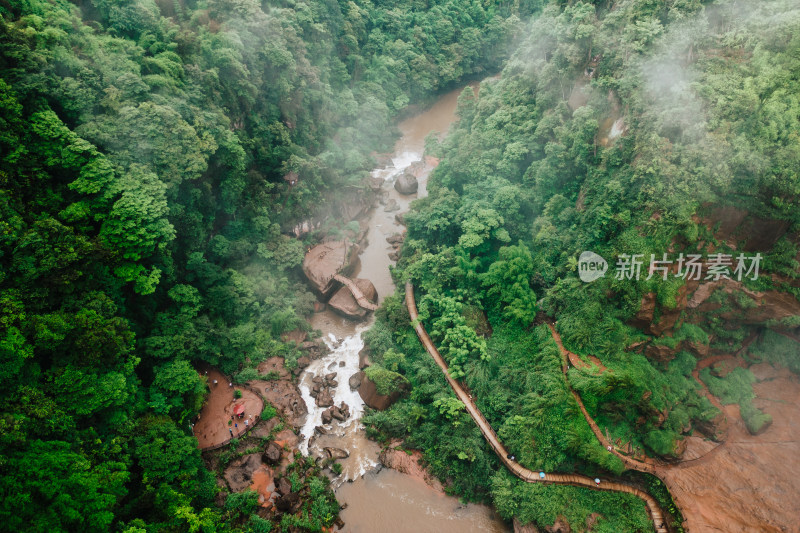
column 737, row 306
column 743, row 230
column 742, row 485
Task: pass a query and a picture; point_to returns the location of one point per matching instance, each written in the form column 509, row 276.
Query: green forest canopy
column 144, row 220
column 530, row 177
column 144, row 226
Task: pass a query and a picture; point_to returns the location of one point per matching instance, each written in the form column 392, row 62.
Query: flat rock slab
column 755, row 473
column 325, row 260
column 284, row 395
column 211, row 428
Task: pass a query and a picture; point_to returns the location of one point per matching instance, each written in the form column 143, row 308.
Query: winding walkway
column 574, row 359
column 356, row 292
column 524, row 474
column 629, row 462
column 648, row 465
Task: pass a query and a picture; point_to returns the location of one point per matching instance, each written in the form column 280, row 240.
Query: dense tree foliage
column 145, row 225
column 615, row 127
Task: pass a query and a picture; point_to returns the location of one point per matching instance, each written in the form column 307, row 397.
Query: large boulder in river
column 324, row 398
column 336, row 453
column 344, row 303
column 380, row 388
column 338, row 414
column 406, row 183
column 355, row 380
column 326, row 259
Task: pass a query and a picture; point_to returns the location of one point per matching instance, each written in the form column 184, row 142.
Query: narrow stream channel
column 383, row 500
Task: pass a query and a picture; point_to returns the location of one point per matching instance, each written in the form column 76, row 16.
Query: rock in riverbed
column 324, row 398
column 326, row 259
column 355, row 380
column 369, row 393
column 406, row 183
column 345, row 304
column 272, row 455
column 336, row 453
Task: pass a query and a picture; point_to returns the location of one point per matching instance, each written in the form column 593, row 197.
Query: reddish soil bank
column 409, row 463
column 747, row 483
column 751, row 483
column 211, row 428
column 256, row 471
column 264, row 485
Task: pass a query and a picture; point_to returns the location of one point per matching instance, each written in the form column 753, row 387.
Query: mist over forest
column 167, row 165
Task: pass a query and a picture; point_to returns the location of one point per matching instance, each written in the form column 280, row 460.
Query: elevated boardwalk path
column 629, row 462
column 356, row 292
column 515, row 468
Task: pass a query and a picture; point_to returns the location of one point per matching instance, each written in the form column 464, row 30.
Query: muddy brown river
column 382, row 500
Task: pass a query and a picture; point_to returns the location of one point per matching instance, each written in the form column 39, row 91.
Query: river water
column 380, row 500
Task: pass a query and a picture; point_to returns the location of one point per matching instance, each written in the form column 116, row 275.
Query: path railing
column 256, row 420
column 515, row 468
column 357, row 294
